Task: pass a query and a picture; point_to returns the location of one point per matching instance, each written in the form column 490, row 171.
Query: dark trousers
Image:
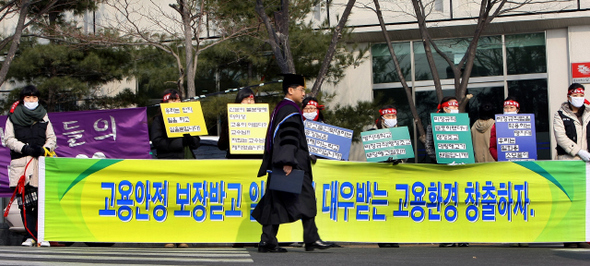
column 30, row 209
column 310, row 232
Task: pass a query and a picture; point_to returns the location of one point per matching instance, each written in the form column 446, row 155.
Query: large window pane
column 493, row 95
column 426, row 103
column 488, row 58
column 525, row 53
column 532, row 96
column 383, row 68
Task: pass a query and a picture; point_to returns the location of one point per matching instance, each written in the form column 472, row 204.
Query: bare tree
column 22, row 7
column 24, row 10
column 280, row 43
column 417, row 120
column 337, row 35
column 278, row 35
column 487, row 12
column 183, row 34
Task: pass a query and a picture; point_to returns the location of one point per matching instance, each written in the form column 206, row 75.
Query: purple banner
column 120, row 133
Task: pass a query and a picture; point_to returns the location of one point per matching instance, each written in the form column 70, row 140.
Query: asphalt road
column 368, row 254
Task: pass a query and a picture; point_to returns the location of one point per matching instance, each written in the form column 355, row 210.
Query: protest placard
column 328, row 141
column 388, row 143
column 247, row 125
column 516, row 138
column 452, row 138
column 183, row 118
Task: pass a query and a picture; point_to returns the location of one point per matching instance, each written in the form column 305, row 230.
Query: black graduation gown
column 289, row 148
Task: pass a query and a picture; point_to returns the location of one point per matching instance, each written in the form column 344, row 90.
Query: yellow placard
column 247, row 127
column 183, row 118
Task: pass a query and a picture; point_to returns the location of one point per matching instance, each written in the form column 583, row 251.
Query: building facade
column 527, row 53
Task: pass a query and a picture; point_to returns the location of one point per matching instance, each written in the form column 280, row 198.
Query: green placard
column 452, row 138
column 383, row 144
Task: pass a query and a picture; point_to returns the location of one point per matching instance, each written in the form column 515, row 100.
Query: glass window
column 532, row 97
column 493, row 95
column 383, row 68
column 488, row 59
column 426, row 103
column 525, row 53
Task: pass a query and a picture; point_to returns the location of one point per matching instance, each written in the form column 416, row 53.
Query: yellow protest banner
column 210, row 201
column 247, row 127
column 183, row 118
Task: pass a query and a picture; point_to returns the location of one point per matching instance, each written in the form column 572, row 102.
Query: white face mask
column 577, row 101
column 310, row 116
column 510, row 113
column 454, row 111
column 390, row 122
column 31, row 105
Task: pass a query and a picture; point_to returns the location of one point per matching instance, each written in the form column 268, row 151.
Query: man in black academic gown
column 286, row 148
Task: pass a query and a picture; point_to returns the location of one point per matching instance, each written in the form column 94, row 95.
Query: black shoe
column 318, row 244
column 388, row 245
column 463, row 244
column 263, row 247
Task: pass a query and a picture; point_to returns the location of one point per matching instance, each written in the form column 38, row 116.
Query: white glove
column 584, row 155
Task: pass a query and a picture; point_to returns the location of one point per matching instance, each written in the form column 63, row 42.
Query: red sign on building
column 581, row 72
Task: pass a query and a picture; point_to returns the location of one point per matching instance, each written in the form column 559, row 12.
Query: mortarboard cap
column 292, row 79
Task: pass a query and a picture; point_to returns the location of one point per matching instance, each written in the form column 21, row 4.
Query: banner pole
column 587, row 202
column 41, row 201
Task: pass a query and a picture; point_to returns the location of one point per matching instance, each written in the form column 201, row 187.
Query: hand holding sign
column 183, row 118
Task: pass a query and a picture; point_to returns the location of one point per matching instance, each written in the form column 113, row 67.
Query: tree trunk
column 417, row 120
column 282, row 18
column 188, row 47
column 15, row 40
column 421, row 17
column 279, row 38
column 467, row 63
column 332, row 49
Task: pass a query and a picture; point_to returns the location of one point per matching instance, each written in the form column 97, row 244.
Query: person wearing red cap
column 387, row 119
column 511, row 106
column 312, row 110
column 171, row 148
column 449, row 105
column 570, row 126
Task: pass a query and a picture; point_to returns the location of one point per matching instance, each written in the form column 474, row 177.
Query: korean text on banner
column 452, row 138
column 210, row 201
column 183, row 118
column 328, row 141
column 516, row 137
column 116, row 133
column 388, row 143
column 247, row 127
